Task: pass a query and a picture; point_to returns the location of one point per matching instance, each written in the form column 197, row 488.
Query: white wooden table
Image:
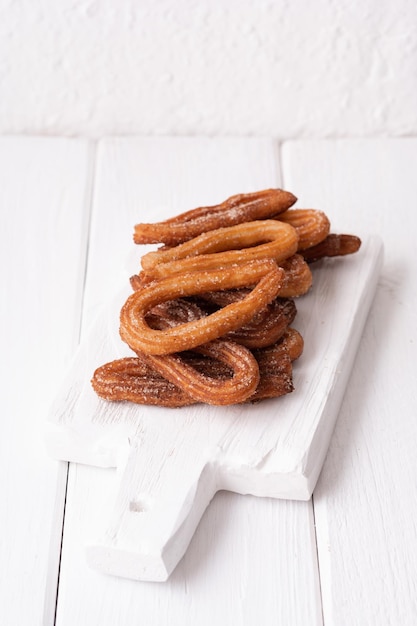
column 349, row 555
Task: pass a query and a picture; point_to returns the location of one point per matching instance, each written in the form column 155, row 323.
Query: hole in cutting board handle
column 139, row 505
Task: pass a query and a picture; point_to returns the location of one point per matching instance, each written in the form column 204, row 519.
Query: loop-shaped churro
column 211, row 389
column 298, row 277
column 225, row 246
column 135, row 331
column 137, row 379
column 312, row 226
column 235, row 210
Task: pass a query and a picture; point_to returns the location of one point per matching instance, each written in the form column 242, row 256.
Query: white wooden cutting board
column 173, row 461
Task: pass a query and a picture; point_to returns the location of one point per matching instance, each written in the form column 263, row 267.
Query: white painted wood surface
column 365, row 502
column 44, row 208
column 251, row 560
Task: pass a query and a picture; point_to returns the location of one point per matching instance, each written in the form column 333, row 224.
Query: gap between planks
column 57, row 540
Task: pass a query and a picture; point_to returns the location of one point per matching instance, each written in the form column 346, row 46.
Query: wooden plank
column 143, row 177
column 365, row 505
column 44, row 199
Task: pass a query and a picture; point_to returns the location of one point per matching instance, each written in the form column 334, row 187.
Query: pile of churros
column 210, row 316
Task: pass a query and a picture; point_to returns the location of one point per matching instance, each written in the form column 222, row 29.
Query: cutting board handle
column 163, row 494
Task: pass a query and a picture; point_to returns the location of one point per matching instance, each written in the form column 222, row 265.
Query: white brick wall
column 286, row 68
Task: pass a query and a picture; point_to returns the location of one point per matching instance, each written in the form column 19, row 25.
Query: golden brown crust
column 210, row 315
column 235, row 210
column 137, row 380
column 312, row 226
column 333, row 245
column 207, row 388
column 253, row 241
column 131, row 380
column 265, row 328
column 135, row 331
column 297, row 277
